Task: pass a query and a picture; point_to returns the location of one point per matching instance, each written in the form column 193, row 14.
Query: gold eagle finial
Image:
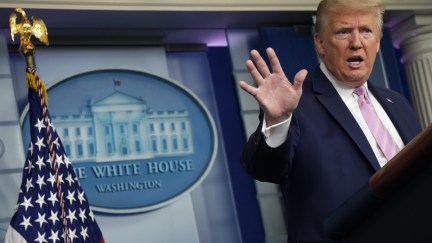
column 25, row 29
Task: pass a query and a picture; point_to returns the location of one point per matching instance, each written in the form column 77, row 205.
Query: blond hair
column 330, row 6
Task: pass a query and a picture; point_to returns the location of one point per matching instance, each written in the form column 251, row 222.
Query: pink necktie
column 385, row 141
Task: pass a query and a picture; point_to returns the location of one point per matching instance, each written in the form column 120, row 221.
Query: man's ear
column 378, row 45
column 319, row 45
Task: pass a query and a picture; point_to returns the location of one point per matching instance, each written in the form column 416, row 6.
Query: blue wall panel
column 295, row 49
column 233, row 137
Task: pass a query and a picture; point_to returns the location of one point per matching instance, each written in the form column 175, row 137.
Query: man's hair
column 331, row 6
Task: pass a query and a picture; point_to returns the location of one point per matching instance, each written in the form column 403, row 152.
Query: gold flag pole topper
column 26, row 30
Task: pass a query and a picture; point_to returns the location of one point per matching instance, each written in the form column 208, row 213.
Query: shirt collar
column 343, row 90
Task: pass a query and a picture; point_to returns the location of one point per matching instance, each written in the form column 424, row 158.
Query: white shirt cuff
column 276, row 135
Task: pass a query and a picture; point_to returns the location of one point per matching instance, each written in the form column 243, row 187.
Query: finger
column 299, row 79
column 274, row 61
column 260, row 63
column 248, row 88
column 255, row 74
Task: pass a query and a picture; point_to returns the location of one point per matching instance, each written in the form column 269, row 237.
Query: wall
column 207, row 214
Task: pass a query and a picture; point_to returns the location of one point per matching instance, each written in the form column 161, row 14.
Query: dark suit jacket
column 326, row 157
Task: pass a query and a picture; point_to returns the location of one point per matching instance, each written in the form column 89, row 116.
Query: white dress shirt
column 275, row 135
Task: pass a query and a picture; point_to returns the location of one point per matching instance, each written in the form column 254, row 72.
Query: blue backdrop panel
column 234, row 139
column 295, row 48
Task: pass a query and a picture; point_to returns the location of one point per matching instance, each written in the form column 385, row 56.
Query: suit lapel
column 330, row 99
column 387, row 103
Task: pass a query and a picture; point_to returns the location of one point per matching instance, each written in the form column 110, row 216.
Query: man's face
column 348, row 45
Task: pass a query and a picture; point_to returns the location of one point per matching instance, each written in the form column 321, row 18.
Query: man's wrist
column 276, row 134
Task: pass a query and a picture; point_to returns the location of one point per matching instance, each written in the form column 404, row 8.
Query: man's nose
column 355, row 40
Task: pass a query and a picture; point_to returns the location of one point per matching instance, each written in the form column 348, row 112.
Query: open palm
column 276, row 95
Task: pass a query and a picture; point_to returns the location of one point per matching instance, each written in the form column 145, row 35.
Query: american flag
column 52, row 206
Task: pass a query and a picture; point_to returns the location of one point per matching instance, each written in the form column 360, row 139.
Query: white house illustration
column 122, row 127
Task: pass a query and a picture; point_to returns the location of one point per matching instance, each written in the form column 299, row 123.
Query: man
column 313, row 139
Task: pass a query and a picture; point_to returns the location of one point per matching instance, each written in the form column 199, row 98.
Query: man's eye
column 367, row 33
column 342, row 34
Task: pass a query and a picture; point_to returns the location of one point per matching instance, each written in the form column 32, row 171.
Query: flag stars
column 29, row 184
column 26, row 203
column 40, row 162
column 49, row 187
column 49, row 160
column 29, row 167
column 91, row 215
column 70, row 179
column 53, row 198
column 81, row 197
column 31, row 148
column 59, row 160
column 71, row 216
column 63, row 235
column 41, row 220
column 60, row 178
column 54, row 236
column 41, row 238
column 41, row 181
column 72, row 235
column 54, row 218
column 40, row 143
column 71, row 197
column 84, row 232
column 56, row 143
column 82, row 215
column 52, row 179
column 41, row 200
column 66, row 161
column 40, row 125
column 26, row 222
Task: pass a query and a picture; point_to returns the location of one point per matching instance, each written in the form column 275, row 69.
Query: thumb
column 299, row 78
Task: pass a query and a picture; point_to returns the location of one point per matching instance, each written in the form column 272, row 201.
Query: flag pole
column 26, row 30
column 46, row 164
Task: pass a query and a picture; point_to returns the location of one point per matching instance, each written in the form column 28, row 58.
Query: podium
column 395, row 205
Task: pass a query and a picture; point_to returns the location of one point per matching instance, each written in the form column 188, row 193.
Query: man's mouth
column 355, row 61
